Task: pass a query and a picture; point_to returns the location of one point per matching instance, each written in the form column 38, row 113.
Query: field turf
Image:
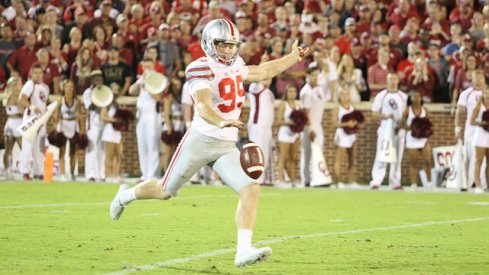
column 66, row 229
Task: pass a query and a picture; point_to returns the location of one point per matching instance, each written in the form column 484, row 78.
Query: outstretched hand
column 299, row 51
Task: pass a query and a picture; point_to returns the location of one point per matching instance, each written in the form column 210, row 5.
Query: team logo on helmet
column 220, row 31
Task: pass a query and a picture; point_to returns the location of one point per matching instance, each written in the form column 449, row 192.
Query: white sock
column 127, row 196
column 244, row 240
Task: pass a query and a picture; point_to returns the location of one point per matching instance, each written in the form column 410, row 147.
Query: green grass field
column 66, row 229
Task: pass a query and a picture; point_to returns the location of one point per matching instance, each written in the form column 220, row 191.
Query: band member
column 112, row 138
column 94, row 154
column 14, row 120
column 174, row 126
column 414, row 143
column 345, row 141
column 33, row 98
column 480, row 119
column 148, row 127
column 288, row 141
column 68, row 120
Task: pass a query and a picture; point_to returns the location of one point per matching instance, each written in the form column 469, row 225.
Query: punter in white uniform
column 216, row 84
column 34, row 98
column 466, row 103
column 14, row 120
column 94, row 154
column 312, row 100
column 288, row 141
column 390, row 103
column 481, row 138
column 345, row 142
column 148, row 127
column 260, row 121
column 68, row 121
column 416, row 146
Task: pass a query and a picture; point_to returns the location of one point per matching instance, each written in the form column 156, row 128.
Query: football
column 252, row 161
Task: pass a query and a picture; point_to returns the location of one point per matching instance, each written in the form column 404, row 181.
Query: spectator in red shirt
column 462, row 14
column 343, row 42
column 155, row 18
column 138, row 20
column 363, row 24
column 435, row 15
column 410, row 31
column 263, row 27
column 152, row 54
column 463, row 80
column 131, row 39
column 377, row 73
column 78, row 5
column 244, row 25
column 50, row 70
column 81, row 69
column 214, row 13
column 477, row 29
column 281, row 19
column 402, row 13
column 105, row 7
column 81, row 22
column 394, row 55
column 21, row 60
column 422, row 79
column 395, row 40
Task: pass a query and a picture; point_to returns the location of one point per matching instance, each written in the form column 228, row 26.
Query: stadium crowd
column 362, row 50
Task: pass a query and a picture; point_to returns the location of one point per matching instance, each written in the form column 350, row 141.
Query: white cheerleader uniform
column 110, row 134
column 68, row 124
column 285, row 134
column 412, row 142
column 10, row 129
column 176, row 116
column 481, row 137
column 341, row 138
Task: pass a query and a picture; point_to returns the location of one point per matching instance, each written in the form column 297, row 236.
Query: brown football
column 252, row 161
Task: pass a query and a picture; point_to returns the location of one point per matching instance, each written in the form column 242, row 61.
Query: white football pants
column 305, row 168
column 32, row 154
column 379, row 169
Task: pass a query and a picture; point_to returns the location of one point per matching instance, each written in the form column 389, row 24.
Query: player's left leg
column 187, row 160
column 229, row 169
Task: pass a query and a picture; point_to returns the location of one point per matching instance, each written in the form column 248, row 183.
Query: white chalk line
column 215, row 253
column 23, row 206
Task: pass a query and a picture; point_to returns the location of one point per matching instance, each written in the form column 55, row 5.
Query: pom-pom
column 356, row 116
column 81, row 141
column 171, row 139
column 299, row 118
column 123, row 118
column 56, row 139
column 421, row 127
column 485, row 118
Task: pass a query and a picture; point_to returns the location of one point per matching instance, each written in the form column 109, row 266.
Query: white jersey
column 468, row 99
column 146, row 103
column 186, row 97
column 228, row 96
column 313, row 99
column 68, row 112
column 390, row 103
column 38, row 94
column 261, row 105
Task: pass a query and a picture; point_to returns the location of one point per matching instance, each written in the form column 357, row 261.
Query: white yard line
column 215, row 253
column 23, row 206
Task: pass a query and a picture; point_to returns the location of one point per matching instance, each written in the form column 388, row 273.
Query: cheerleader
column 345, row 142
column 174, row 126
column 14, row 120
column 68, row 120
column 416, row 144
column 112, row 138
column 288, row 141
column 480, row 118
